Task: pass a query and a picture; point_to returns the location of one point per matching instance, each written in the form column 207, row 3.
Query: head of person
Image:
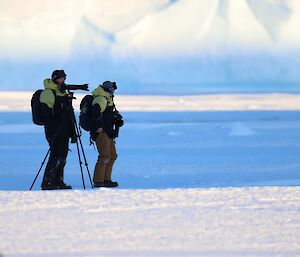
column 109, row 86
column 59, row 77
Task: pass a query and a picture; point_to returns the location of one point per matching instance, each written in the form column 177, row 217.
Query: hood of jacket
column 49, row 84
column 99, row 91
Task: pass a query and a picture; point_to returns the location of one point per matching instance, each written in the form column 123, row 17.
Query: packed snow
column 19, row 101
column 258, row 221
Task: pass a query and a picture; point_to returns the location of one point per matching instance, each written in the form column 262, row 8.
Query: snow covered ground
column 19, row 101
column 195, row 182
column 258, row 221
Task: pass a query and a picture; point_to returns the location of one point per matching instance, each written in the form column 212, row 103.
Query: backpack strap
column 102, row 101
column 54, row 93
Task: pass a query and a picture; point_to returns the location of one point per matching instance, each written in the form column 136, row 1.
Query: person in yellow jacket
column 106, row 117
column 58, row 129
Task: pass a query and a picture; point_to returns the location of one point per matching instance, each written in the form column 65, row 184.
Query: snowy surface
column 19, row 101
column 261, row 221
column 204, row 182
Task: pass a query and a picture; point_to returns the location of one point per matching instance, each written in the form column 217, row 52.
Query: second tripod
column 77, row 132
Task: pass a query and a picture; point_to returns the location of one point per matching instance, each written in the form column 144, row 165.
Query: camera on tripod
column 70, row 95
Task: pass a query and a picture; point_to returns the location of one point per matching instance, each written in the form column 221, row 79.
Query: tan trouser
column 107, row 156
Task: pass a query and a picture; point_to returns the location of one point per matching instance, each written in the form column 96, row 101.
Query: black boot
column 109, row 183
column 50, row 187
column 64, row 186
column 49, row 182
column 60, row 175
column 106, row 183
column 99, row 184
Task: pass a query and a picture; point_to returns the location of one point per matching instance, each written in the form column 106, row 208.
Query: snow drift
column 193, row 222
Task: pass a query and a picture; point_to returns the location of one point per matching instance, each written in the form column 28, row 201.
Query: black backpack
column 36, row 109
column 86, row 115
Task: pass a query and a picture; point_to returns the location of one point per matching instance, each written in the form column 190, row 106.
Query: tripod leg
column 80, row 164
column 85, row 162
column 78, row 134
column 39, row 169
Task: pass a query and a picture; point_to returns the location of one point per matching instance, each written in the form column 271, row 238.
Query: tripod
column 77, row 137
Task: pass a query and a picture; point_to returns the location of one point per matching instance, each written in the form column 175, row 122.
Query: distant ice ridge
column 155, row 27
column 151, row 46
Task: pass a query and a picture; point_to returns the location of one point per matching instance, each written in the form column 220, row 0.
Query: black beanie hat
column 57, row 74
column 108, row 86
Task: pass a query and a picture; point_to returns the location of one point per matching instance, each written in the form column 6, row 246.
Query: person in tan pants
column 107, row 156
column 106, row 118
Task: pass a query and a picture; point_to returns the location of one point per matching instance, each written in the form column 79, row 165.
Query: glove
column 119, row 123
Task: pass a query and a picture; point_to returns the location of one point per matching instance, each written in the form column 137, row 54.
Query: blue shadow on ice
column 169, row 150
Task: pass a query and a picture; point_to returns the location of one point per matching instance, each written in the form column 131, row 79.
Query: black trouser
column 59, row 147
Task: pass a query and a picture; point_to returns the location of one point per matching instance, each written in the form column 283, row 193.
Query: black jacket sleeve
column 47, row 112
column 97, row 116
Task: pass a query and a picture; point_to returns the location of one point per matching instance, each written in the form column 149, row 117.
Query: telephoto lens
column 84, row 87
